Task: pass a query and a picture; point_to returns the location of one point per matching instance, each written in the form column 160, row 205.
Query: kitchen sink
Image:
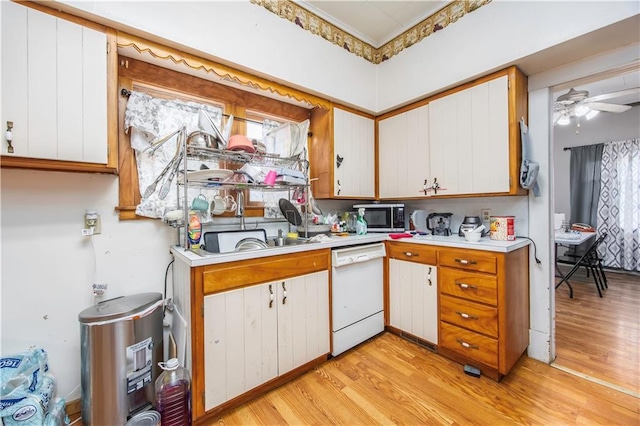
column 291, row 242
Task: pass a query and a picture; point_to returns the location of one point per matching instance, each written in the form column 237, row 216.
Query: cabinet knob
column 409, row 254
column 466, row 262
column 271, row 297
column 8, row 135
column 466, row 316
column 465, row 286
column 466, row 345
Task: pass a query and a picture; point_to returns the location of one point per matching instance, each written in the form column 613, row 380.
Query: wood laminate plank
column 600, row 337
column 389, row 380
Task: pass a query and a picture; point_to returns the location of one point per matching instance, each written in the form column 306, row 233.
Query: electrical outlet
column 486, row 215
column 92, row 224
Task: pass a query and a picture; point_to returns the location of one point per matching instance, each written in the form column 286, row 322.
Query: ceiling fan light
column 592, row 114
column 581, row 110
column 564, row 120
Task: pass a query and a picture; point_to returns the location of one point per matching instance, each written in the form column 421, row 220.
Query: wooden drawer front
column 473, row 260
column 469, row 344
column 227, row 276
column 468, row 285
column 419, row 253
column 474, row 316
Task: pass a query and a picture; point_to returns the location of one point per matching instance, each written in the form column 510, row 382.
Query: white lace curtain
column 619, row 205
column 149, row 119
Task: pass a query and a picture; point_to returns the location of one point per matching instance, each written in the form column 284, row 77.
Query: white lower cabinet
column 413, row 298
column 256, row 333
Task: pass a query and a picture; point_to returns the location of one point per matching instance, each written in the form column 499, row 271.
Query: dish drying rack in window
column 237, row 158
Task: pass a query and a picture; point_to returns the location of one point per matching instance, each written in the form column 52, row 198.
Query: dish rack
column 231, row 159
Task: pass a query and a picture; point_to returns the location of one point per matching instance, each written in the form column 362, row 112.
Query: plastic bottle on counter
column 173, row 394
column 194, row 229
column 361, row 224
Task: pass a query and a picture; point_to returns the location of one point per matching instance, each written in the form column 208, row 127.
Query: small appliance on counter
column 383, row 217
column 439, row 224
column 419, row 220
column 469, row 223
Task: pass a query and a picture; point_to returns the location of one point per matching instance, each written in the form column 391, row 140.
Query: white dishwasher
column 357, row 297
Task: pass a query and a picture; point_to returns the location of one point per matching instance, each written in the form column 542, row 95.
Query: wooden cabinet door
column 413, row 299
column 490, row 130
column 354, row 149
column 392, row 155
column 303, row 320
column 240, row 340
column 403, row 144
column 54, row 87
column 418, row 157
column 469, row 139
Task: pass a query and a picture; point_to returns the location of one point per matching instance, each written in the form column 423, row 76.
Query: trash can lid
column 118, row 307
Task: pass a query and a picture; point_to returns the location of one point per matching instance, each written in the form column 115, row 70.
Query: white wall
column 48, row 268
column 490, row 38
column 253, row 38
column 604, row 127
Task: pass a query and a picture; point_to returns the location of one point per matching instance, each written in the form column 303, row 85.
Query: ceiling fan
column 578, row 103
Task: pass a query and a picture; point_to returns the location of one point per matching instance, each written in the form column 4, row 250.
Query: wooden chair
column 591, row 262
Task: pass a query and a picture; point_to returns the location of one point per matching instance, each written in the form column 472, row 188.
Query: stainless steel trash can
column 120, row 347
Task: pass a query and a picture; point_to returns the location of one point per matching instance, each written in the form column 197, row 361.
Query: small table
column 572, row 238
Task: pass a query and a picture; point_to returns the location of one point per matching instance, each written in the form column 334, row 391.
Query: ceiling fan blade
column 601, row 106
column 605, row 96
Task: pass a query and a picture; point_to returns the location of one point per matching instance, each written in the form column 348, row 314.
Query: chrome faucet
column 240, row 208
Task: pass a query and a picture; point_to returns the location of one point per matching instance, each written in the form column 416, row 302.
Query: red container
column 503, row 228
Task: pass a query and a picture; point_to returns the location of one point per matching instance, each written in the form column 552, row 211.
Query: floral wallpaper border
column 310, row 22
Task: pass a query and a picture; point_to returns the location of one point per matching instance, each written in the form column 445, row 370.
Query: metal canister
column 146, row 418
column 120, row 347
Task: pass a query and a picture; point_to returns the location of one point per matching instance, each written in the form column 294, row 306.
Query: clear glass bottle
column 173, row 394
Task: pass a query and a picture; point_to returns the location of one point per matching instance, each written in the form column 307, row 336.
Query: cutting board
column 225, row 241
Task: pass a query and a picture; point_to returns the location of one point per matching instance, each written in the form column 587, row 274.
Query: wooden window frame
column 133, row 72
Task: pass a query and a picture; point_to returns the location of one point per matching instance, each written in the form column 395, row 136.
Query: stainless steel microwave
column 383, row 217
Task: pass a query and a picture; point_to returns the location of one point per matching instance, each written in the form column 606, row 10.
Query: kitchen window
column 249, row 111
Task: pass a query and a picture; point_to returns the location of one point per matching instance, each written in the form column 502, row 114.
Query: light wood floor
column 389, row 380
column 600, row 337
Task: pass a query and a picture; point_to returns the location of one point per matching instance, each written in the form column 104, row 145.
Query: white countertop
column 454, row 241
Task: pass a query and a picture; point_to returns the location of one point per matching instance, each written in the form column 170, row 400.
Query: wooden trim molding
column 224, row 72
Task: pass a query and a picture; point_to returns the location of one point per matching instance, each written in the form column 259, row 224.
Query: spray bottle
column 361, row 224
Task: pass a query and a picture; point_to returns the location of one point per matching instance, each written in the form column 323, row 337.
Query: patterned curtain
column 149, row 119
column 619, row 205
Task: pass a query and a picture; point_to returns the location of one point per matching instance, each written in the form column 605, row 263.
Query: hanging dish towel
column 528, row 169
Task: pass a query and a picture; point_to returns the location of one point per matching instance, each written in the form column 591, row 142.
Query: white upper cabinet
column 54, row 87
column 403, row 143
column 354, row 152
column 469, row 139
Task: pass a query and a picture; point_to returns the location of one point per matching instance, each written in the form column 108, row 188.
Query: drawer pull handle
column 409, row 254
column 465, row 286
column 284, row 294
column 429, row 276
column 271, row 296
column 466, row 345
column 467, row 262
column 466, row 316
